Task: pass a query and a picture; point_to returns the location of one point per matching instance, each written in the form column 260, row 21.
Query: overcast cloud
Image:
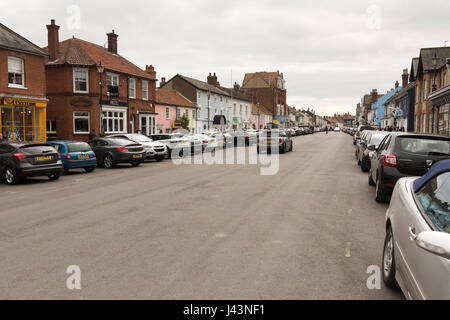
column 331, row 52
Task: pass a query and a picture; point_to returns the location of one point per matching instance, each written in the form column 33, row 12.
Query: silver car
column 416, row 255
column 154, row 149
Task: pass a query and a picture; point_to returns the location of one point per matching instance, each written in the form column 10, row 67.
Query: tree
column 184, row 121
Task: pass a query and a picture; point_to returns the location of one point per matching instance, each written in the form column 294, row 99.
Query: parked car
column 196, row 144
column 403, row 154
column 362, row 137
column 21, row 160
column 337, row 129
column 75, row 155
column 174, row 142
column 154, row 149
column 360, row 129
column 215, row 140
column 276, row 139
column 367, row 147
column 416, row 254
column 111, row 151
column 228, row 139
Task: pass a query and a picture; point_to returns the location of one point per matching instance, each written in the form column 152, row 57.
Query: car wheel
column 292, row 147
column 388, row 263
column 283, row 150
column 10, row 176
column 108, row 161
column 136, row 163
column 380, row 192
column 370, row 180
column 54, row 176
column 89, row 169
column 66, row 170
column 364, row 167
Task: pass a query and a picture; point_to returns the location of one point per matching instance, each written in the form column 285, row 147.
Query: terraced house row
column 72, row 88
column 421, row 104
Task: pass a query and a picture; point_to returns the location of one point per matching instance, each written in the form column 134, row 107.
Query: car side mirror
column 371, row 148
column 435, row 242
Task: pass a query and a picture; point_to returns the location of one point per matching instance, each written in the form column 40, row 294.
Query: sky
column 331, row 53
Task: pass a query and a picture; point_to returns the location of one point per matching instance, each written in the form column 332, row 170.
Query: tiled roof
column 13, row 41
column 172, row 97
column 264, row 75
column 427, row 54
column 203, row 85
column 78, row 52
column 236, row 94
column 261, row 108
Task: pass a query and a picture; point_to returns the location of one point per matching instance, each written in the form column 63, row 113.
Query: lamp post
column 100, row 70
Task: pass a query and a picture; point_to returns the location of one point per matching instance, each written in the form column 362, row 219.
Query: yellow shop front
column 23, row 119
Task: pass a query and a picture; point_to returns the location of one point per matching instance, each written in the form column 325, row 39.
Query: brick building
column 126, row 99
column 22, row 88
column 268, row 88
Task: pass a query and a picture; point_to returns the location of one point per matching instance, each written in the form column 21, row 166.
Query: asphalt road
column 165, row 231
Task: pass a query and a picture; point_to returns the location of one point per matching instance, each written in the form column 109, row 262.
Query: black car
column 21, row 160
column 111, row 151
column 403, row 154
column 367, row 145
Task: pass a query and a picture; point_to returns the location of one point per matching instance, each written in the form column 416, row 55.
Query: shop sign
column 16, row 102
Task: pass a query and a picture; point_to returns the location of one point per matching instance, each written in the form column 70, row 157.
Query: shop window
column 15, row 73
column 19, row 124
column 144, row 90
column 51, row 126
column 80, row 81
column 81, row 122
column 132, row 88
column 114, row 121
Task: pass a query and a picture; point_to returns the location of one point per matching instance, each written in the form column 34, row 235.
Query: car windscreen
column 139, row 138
column 424, row 145
column 78, row 147
column 37, row 149
column 375, row 139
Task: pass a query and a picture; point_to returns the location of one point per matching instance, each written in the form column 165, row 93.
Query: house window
column 15, row 73
column 194, row 112
column 81, row 122
column 132, row 88
column 240, row 109
column 114, row 120
column 167, row 113
column 187, row 113
column 80, row 81
column 246, row 110
column 51, row 126
column 234, row 108
column 199, row 94
column 220, row 98
column 112, row 84
column 178, row 113
column 144, row 90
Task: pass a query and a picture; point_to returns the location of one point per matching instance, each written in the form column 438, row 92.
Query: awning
column 219, row 120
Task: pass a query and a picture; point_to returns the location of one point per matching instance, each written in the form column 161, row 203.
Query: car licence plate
column 137, row 156
column 268, row 141
column 182, row 142
column 43, row 158
column 83, row 156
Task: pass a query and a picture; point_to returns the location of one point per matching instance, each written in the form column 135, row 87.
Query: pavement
column 166, row 231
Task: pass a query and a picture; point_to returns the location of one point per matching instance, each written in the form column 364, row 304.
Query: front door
column 147, row 124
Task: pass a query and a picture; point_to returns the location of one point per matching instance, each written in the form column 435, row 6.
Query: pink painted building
column 170, row 105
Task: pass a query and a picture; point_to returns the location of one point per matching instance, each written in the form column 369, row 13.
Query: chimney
column 163, row 81
column 405, row 77
column 396, row 84
column 374, row 95
column 212, row 80
column 53, row 40
column 236, row 86
column 112, row 42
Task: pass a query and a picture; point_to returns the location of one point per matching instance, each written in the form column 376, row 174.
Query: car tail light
column 122, row 149
column 205, row 141
column 390, row 160
column 68, row 156
column 357, row 133
column 246, row 137
column 280, row 140
column 143, row 148
column 19, row 155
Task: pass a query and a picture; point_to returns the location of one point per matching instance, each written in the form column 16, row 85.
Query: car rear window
column 425, row 146
column 37, row 149
column 78, row 147
column 121, row 142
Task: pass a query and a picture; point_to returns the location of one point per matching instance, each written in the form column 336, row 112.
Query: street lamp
column 100, row 69
column 434, row 61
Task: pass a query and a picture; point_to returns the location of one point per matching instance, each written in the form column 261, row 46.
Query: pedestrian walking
column 92, row 135
column 326, row 129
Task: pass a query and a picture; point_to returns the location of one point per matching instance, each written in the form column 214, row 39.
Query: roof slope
column 172, row 97
column 79, row 52
column 272, row 76
column 203, row 85
column 13, row 41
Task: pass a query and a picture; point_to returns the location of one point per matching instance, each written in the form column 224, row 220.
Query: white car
column 154, row 149
column 337, row 129
column 215, row 140
column 416, row 253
